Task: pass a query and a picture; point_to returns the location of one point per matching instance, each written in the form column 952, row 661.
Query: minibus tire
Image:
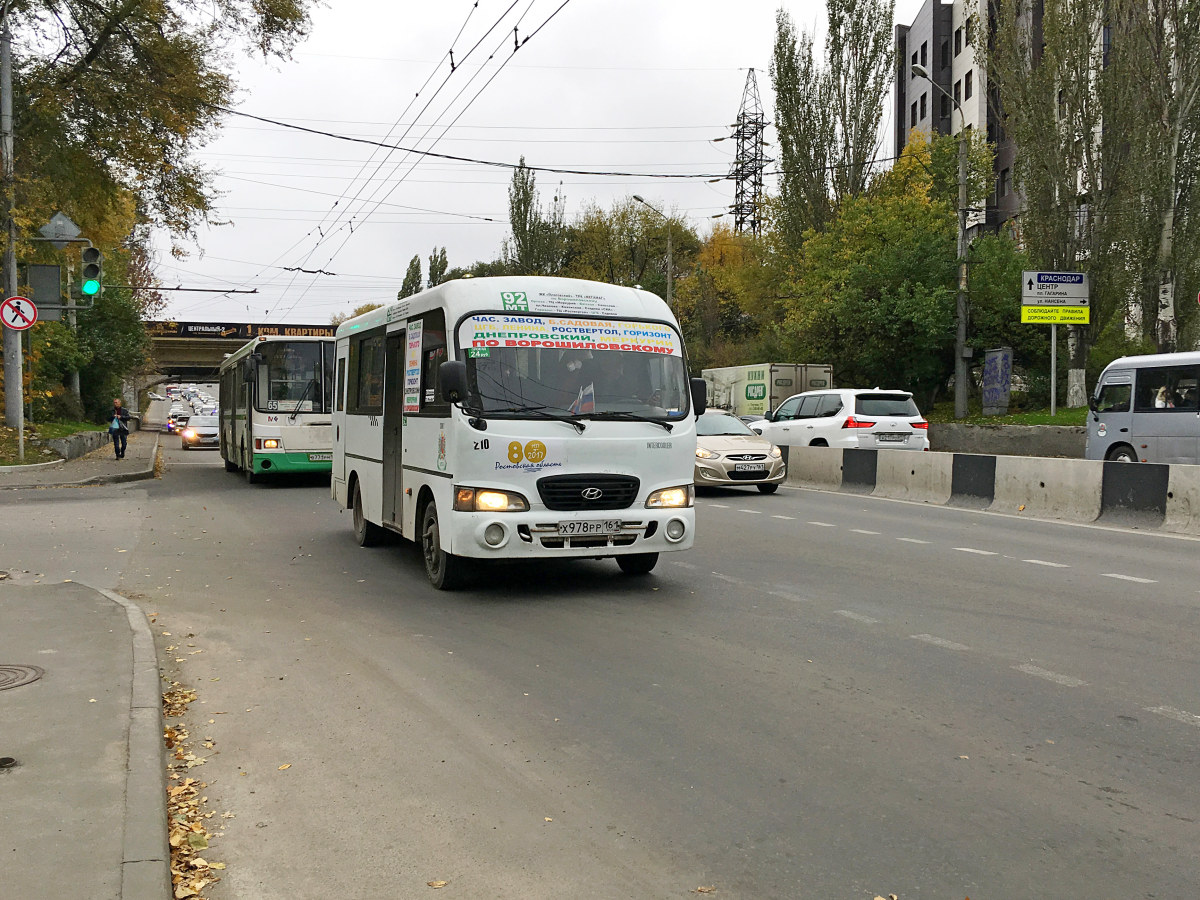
column 446, row 571
column 637, row 563
column 368, row 534
column 1121, row 453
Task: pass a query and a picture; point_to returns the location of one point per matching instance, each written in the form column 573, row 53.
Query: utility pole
column 961, row 375
column 670, row 274
column 14, row 394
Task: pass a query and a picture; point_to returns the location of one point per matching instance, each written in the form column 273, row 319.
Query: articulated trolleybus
column 276, row 400
column 518, row 418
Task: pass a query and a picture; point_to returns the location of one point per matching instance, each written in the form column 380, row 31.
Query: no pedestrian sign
column 18, row 313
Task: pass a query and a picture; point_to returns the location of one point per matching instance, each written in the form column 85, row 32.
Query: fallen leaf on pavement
column 437, row 884
column 285, row 766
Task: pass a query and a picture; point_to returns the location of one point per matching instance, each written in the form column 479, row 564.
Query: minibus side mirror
column 452, row 380
column 249, row 368
column 699, row 396
column 1092, row 403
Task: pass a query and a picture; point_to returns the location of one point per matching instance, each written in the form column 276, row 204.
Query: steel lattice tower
column 747, row 168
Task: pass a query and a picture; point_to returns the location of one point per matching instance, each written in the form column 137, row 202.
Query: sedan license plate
column 893, row 438
column 749, row 467
column 575, row 529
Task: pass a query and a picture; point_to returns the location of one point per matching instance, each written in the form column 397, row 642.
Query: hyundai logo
column 592, row 493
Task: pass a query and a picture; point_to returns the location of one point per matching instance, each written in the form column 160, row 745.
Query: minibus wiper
column 630, row 417
column 540, row 411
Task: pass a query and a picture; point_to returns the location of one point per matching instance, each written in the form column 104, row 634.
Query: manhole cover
column 15, row 676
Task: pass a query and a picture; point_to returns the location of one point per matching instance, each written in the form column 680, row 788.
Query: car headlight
column 468, row 499
column 776, row 452
column 672, row 497
column 189, row 434
column 701, row 453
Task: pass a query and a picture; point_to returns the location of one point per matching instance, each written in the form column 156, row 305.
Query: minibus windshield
column 536, row 365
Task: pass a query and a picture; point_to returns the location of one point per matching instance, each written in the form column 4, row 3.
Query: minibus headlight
column 467, row 499
column 268, row 443
column 671, row 498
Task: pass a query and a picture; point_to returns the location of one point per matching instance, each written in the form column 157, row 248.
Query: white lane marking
column 912, row 540
column 980, row 552
column 857, row 617
column 1177, row 714
column 683, row 565
column 1043, row 562
column 718, row 505
column 789, row 518
column 728, row 578
column 1128, row 578
column 1039, row 672
column 823, row 524
column 862, row 531
column 940, row 642
column 753, row 512
column 795, row 598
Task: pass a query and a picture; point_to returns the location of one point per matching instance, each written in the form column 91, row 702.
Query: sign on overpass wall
column 234, row 330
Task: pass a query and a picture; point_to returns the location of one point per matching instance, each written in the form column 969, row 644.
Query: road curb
column 115, row 478
column 146, row 856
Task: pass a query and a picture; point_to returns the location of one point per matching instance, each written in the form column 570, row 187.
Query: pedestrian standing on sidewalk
column 118, row 427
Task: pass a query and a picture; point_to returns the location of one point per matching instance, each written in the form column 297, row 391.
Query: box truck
column 757, row 389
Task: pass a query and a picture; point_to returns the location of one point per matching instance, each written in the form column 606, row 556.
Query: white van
column 518, row 417
column 1147, row 409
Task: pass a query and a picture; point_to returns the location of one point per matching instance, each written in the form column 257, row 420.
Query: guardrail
column 1140, row 495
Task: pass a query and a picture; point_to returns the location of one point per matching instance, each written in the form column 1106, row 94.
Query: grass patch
column 35, row 452
column 944, row 413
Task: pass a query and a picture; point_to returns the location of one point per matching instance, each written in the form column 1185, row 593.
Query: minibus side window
column 341, row 384
column 433, row 354
column 1166, row 388
column 366, row 376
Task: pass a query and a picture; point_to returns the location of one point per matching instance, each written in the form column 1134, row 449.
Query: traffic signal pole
column 14, row 394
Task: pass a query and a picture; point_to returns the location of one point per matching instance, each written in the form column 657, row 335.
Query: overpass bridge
column 193, row 351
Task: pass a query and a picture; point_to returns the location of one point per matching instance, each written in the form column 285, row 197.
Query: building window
column 925, row 53
column 967, row 85
column 957, row 92
column 945, row 106
column 967, row 42
column 945, row 54
column 914, row 57
column 914, row 115
column 924, row 110
column 1005, row 182
column 957, row 41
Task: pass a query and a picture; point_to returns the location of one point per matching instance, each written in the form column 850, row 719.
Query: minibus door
column 393, row 418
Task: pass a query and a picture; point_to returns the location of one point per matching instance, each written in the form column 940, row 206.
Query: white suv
column 858, row 419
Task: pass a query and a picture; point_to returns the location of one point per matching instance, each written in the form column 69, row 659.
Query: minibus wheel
column 445, row 570
column 637, row 563
column 1121, row 453
column 366, row 533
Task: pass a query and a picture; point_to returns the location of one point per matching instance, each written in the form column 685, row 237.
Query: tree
column 412, row 278
column 338, row 318
column 827, row 117
column 1155, row 59
column 1067, row 113
column 538, row 240
column 873, row 295
column 437, row 266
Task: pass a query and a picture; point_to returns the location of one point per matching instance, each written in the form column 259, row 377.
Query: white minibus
column 276, row 402
column 518, row 418
column 1147, row 409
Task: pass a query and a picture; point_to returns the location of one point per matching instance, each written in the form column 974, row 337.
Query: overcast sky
column 632, row 86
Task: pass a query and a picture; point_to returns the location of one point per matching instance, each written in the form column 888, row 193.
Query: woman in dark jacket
column 118, row 427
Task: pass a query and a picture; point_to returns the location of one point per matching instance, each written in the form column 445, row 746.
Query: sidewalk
column 82, row 766
column 82, row 761
column 98, row 467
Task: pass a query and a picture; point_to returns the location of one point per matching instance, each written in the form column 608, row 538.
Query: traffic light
column 92, row 260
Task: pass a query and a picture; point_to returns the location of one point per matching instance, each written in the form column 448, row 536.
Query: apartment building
column 942, row 41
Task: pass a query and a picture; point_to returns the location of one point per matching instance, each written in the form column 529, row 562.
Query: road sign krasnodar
column 1055, row 298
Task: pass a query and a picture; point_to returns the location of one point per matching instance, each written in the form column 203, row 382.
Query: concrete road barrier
column 1183, row 500
column 1051, row 488
column 819, row 467
column 859, row 470
column 1134, row 493
column 973, row 483
column 908, row 475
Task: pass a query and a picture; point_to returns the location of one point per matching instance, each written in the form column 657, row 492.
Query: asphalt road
column 830, row 697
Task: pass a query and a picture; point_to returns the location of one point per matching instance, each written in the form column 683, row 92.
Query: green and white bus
column 276, row 407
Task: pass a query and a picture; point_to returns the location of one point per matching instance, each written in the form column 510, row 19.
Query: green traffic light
column 91, row 287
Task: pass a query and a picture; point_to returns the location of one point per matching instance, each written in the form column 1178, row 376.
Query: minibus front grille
column 576, row 493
